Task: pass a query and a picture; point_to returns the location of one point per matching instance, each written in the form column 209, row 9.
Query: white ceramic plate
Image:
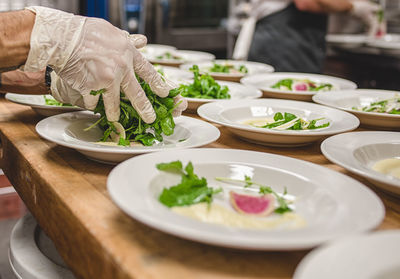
column 236, row 90
column 38, row 104
column 175, row 74
column 265, row 81
column 67, row 130
column 347, row 99
column 186, row 55
column 347, row 40
column 253, row 68
column 389, row 41
column 372, row 256
column 359, row 151
column 151, row 48
column 232, row 114
column 331, row 203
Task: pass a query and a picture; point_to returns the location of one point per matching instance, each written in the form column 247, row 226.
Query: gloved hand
column 91, row 54
column 368, row 12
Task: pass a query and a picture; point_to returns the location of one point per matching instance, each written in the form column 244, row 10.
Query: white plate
column 359, row 151
column 67, row 130
column 38, row 104
column 236, row 90
column 331, row 203
column 233, row 113
column 253, row 68
column 265, row 81
column 174, row 74
column 372, row 256
column 347, row 99
column 347, row 40
column 151, row 48
column 187, row 56
column 389, row 41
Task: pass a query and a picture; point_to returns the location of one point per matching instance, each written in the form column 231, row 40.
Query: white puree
column 390, row 166
column 217, row 214
column 258, row 122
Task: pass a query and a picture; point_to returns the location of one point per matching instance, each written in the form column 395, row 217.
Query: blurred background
column 205, row 26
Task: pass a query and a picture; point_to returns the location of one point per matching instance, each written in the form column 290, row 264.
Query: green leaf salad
column 390, row 106
column 50, row 101
column 204, row 87
column 130, row 127
column 228, row 69
column 291, row 84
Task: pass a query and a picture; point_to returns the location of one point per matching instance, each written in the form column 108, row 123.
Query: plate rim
column 271, row 246
column 9, row 96
column 116, row 149
column 372, row 175
column 323, row 132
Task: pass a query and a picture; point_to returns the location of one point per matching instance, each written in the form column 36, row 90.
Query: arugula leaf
column 190, row 190
column 204, row 87
column 300, row 124
column 53, row 102
column 283, row 83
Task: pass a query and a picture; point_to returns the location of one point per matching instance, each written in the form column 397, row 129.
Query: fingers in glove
column 111, row 99
column 181, row 107
column 138, row 98
column 150, row 75
column 138, row 40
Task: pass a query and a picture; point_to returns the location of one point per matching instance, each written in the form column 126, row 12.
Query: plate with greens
column 243, row 199
column 155, row 48
column 375, row 108
column 44, row 105
column 203, row 88
column 374, row 155
column 279, row 122
column 177, row 57
column 174, row 74
column 78, row 130
column 230, row 70
column 296, row 86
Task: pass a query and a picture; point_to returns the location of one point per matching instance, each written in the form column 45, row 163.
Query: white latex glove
column 367, row 12
column 91, row 54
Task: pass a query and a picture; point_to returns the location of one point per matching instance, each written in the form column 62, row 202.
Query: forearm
column 15, row 34
column 23, row 82
column 324, row 6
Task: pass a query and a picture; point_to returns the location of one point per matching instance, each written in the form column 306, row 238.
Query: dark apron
column 290, row 40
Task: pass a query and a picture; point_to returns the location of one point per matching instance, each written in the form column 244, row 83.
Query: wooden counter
column 67, row 194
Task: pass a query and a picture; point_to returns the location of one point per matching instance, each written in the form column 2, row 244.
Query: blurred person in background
column 290, row 34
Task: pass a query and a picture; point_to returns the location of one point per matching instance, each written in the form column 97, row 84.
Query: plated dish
column 389, row 43
column 376, row 108
column 153, row 48
column 374, row 255
column 315, row 193
column 177, row 57
column 373, row 155
column 69, row 130
column 43, row 104
column 249, row 119
column 295, row 86
column 230, row 70
column 174, row 74
column 347, row 40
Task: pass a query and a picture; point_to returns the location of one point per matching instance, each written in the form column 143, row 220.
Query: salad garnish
column 292, row 84
column 289, row 121
column 228, row 68
column 390, row 106
column 168, row 56
column 130, row 127
column 54, row 102
column 193, row 190
column 204, row 87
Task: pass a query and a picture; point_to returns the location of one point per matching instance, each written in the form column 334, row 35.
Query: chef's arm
column 23, row 82
column 324, row 6
column 15, row 34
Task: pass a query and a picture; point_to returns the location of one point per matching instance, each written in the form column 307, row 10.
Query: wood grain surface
column 67, row 194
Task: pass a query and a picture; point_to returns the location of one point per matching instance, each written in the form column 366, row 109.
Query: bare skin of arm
column 324, row 6
column 15, row 33
column 23, row 82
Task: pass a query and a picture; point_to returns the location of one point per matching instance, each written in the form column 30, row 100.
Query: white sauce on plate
column 217, row 214
column 390, row 166
column 258, row 122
